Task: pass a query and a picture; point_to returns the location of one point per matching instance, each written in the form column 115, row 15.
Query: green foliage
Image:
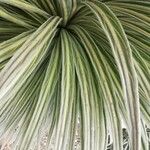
column 64, row 60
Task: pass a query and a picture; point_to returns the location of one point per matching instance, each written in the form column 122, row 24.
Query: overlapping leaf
column 71, row 60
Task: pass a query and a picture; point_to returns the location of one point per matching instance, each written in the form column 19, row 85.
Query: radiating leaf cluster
column 62, row 61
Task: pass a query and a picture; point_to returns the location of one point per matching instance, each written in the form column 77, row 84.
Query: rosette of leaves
column 67, row 60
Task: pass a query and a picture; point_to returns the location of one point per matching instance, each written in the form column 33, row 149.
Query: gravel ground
column 42, row 144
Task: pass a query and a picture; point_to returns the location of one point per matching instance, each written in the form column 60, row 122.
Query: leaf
column 25, row 6
column 122, row 53
column 27, row 58
column 45, row 96
column 75, row 67
column 68, row 93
